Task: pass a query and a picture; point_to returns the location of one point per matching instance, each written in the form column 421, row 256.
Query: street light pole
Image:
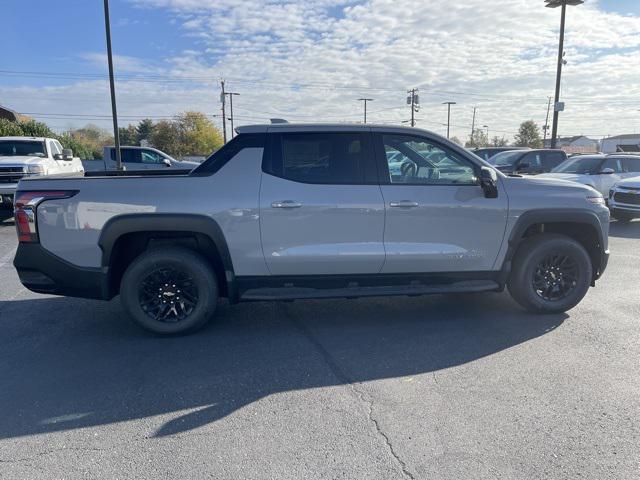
column 231, row 94
column 365, row 100
column 556, row 108
column 112, row 86
column 448, row 104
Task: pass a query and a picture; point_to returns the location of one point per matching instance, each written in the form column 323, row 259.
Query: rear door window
column 631, row 165
column 128, row 155
column 322, row 158
column 551, row 160
column 613, row 163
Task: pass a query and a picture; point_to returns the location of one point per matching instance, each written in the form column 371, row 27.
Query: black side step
column 300, row 293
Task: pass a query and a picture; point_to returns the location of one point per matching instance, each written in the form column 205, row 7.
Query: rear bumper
column 42, row 272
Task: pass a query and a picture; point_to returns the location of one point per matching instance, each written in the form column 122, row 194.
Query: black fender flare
column 554, row 215
column 120, row 225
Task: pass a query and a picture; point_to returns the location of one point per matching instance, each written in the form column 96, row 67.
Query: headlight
column 36, row 169
column 598, row 200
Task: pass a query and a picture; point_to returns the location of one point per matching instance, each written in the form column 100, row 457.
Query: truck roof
column 346, row 127
column 30, row 139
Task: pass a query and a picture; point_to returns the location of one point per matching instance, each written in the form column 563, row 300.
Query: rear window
column 220, row 157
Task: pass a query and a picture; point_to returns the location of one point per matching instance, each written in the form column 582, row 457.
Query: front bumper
column 42, row 272
column 8, row 188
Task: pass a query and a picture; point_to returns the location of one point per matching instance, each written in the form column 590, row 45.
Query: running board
column 300, row 293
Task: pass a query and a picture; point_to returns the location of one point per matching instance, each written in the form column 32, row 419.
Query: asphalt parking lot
column 442, row 387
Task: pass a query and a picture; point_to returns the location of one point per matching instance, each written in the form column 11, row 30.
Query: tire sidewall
column 523, row 282
column 180, row 259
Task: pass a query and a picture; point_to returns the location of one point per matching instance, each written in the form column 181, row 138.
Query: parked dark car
column 530, row 162
column 488, row 152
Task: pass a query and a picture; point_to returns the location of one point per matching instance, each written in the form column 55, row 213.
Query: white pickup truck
column 26, row 156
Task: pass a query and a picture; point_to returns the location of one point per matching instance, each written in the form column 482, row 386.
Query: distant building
column 577, row 144
column 622, row 143
column 9, row 114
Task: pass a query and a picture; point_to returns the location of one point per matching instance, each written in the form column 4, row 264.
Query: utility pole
column 546, row 122
column 365, row 100
column 473, row 122
column 558, row 107
column 448, row 104
column 112, row 86
column 231, row 94
column 414, row 101
column 224, row 116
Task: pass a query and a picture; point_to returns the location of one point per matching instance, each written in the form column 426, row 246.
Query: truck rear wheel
column 551, row 273
column 169, row 290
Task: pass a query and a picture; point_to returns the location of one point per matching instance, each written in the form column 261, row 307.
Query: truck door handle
column 286, row 204
column 404, row 204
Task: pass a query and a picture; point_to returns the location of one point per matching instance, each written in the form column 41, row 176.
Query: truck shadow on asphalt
column 69, row 363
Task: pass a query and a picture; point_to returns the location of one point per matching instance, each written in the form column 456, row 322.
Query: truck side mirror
column 67, row 154
column 489, row 182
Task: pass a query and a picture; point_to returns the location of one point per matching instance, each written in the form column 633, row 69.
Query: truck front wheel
column 169, row 290
column 551, row 273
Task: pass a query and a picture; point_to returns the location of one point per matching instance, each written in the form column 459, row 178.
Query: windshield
column 503, row 159
column 580, row 165
column 15, row 148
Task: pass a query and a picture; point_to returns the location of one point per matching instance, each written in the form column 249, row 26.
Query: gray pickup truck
column 290, row 211
column 136, row 159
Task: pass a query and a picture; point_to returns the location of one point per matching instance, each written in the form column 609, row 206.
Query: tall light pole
column 473, row 122
column 448, row 104
column 231, row 94
column 365, row 100
column 112, row 86
column 557, row 107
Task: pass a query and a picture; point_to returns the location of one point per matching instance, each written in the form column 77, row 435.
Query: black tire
column 187, row 291
column 622, row 216
column 536, row 282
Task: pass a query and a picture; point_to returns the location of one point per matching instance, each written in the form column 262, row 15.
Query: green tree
column 165, row 137
column 128, row 135
column 499, row 142
column 10, row 129
column 456, row 140
column 80, row 149
column 145, row 129
column 197, row 134
column 33, row 128
column 528, row 135
column 477, row 139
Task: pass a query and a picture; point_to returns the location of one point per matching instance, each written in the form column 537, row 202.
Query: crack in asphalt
column 351, row 384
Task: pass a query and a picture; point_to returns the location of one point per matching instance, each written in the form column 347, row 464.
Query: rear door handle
column 286, row 204
column 404, row 204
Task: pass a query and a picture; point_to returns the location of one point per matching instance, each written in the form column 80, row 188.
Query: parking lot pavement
column 446, row 387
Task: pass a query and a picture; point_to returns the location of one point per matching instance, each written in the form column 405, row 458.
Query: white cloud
column 311, row 60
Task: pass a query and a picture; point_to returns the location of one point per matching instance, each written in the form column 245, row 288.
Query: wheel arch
column 581, row 225
column 126, row 236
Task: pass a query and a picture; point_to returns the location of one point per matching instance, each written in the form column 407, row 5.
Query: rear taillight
column 25, row 204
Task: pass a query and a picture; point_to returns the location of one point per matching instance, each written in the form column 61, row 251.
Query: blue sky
column 309, row 60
